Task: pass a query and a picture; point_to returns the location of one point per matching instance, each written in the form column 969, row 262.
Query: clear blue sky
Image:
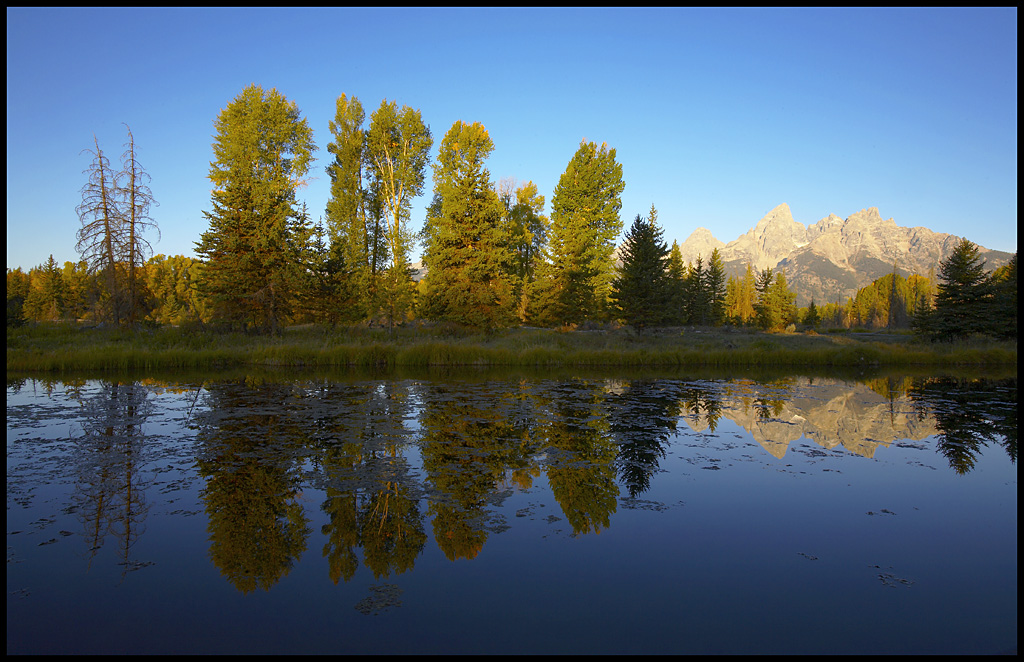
column 717, row 116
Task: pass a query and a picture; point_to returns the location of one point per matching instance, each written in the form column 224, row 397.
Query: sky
column 716, row 115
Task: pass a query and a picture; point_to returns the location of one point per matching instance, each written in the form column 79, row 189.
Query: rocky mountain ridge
column 833, row 258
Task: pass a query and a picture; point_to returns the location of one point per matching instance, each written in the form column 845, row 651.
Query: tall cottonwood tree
column 640, row 292
column 467, row 255
column 584, row 226
column 354, row 247
column 101, row 237
column 396, row 152
column 527, row 230
column 262, row 151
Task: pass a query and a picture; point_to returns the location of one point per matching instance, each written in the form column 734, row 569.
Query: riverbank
column 62, row 347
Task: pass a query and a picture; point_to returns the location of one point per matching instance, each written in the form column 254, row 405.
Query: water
column 511, row 515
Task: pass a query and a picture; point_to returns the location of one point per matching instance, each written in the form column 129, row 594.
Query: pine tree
column 640, row 292
column 584, row 226
column 714, row 289
column 676, row 303
column 963, row 304
column 1005, row 290
column 469, row 264
column 262, row 151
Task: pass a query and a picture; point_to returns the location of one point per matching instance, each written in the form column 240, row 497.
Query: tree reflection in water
column 251, row 450
column 109, row 491
column 969, row 414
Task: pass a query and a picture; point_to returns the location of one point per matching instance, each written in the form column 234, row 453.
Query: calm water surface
column 511, row 515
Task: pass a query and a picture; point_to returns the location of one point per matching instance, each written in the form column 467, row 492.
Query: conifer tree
column 640, row 292
column 469, row 264
column 262, row 151
column 1005, row 286
column 714, row 289
column 584, row 226
column 963, row 304
column 676, row 302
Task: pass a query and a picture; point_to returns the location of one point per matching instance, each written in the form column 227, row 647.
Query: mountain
column 832, row 259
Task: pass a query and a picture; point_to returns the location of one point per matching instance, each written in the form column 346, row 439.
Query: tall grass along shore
column 64, row 347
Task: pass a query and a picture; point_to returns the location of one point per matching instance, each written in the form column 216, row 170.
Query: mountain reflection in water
column 363, row 474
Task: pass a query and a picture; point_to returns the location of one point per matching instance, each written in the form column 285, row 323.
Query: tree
column 527, row 230
column 262, row 151
column 46, row 295
column 584, row 226
column 676, row 297
column 774, row 308
column 396, row 153
column 101, row 239
column 352, row 241
column 137, row 199
column 741, row 297
column 640, row 292
column 812, row 319
column 18, row 284
column 714, row 289
column 469, row 263
column 1004, row 281
column 963, row 304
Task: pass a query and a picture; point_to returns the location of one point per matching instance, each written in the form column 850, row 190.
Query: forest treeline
column 492, row 259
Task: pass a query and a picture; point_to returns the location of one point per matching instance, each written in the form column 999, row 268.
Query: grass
column 66, row 347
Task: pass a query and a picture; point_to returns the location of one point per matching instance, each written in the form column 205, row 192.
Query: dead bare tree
column 135, row 199
column 100, row 239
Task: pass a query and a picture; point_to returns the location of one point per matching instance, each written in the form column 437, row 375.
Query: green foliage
column 526, row 229
column 252, row 251
column 470, row 267
column 1004, row 281
column 775, row 302
column 396, row 152
column 964, row 301
column 584, row 226
column 641, row 293
column 344, row 272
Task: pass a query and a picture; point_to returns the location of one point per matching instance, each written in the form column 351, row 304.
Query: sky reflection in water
column 518, row 515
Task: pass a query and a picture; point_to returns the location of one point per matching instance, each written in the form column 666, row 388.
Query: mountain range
column 832, row 259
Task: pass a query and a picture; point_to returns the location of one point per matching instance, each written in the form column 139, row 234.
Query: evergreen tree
column 469, row 264
column 812, row 318
column 584, row 226
column 640, row 293
column 714, row 289
column 697, row 300
column 676, row 301
column 262, row 151
column 18, row 284
column 1005, row 289
column 963, row 304
column 46, row 294
column 775, row 302
column 396, row 153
